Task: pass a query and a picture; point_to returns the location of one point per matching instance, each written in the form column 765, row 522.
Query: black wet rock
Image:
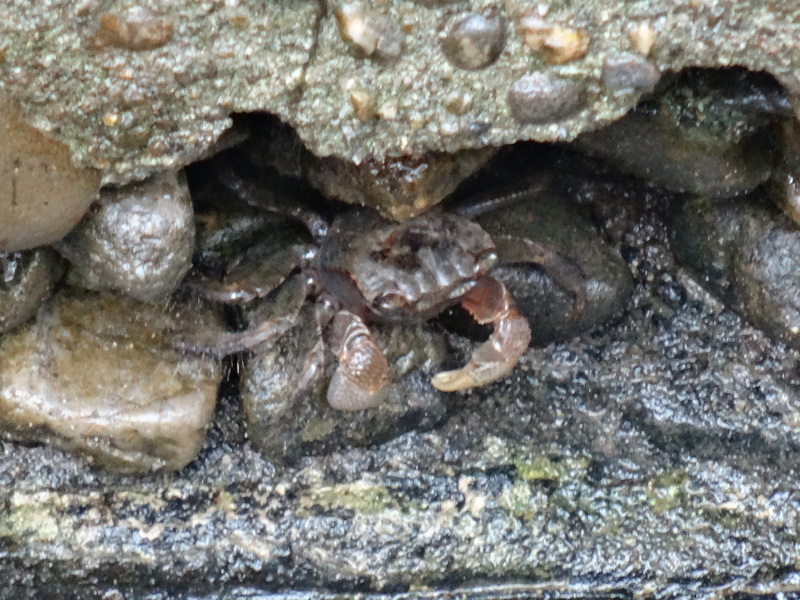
column 286, row 420
column 748, row 253
column 26, row 280
column 706, row 133
column 139, row 240
column 96, row 375
column 599, row 270
column 666, row 444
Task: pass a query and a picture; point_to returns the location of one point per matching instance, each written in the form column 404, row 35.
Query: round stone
column 629, row 72
column 539, row 98
column 139, row 241
column 473, row 41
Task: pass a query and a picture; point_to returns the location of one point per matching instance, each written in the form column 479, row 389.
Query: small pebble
column 625, row 72
column 374, row 34
column 642, row 37
column 135, row 28
column 473, row 41
column 556, row 44
column 539, row 98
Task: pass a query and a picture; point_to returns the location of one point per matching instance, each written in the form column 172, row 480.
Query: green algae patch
column 28, row 518
column 317, row 429
column 360, row 496
column 667, row 490
column 544, row 468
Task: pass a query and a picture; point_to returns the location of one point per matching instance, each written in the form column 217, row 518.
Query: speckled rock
column 748, row 253
column 139, row 240
column 42, row 194
column 96, row 376
column 286, row 422
column 26, row 280
column 158, row 96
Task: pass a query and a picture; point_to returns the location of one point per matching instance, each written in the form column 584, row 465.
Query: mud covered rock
column 139, row 240
column 748, row 252
column 96, row 376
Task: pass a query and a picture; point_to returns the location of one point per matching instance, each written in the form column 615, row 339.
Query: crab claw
column 489, row 302
column 363, row 372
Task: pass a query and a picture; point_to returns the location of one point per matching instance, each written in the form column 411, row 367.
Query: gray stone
column 139, row 240
column 749, row 254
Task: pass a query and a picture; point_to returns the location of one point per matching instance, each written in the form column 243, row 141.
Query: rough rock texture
column 133, row 92
column 748, row 253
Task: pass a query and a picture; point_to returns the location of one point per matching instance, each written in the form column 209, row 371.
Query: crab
column 362, row 269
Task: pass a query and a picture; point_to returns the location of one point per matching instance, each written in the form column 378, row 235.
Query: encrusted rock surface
column 136, row 91
column 655, row 456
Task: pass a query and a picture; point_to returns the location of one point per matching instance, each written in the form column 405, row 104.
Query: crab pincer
column 363, row 373
column 489, row 302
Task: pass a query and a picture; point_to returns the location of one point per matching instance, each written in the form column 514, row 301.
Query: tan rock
column 42, row 194
column 96, row 375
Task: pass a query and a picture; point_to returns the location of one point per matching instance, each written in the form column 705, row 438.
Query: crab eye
column 486, row 260
column 389, row 301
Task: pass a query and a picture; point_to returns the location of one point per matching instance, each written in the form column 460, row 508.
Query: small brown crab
column 364, row 268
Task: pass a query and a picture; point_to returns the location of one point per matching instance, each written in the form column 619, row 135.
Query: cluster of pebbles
column 88, row 309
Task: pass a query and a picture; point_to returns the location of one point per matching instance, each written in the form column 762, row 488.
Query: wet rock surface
column 605, row 279
column 134, row 91
column 655, row 456
column 139, row 240
column 748, row 252
column 95, row 375
column 26, row 280
column 709, row 133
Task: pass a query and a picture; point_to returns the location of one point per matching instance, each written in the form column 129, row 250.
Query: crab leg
column 363, row 372
column 489, row 302
column 220, row 343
